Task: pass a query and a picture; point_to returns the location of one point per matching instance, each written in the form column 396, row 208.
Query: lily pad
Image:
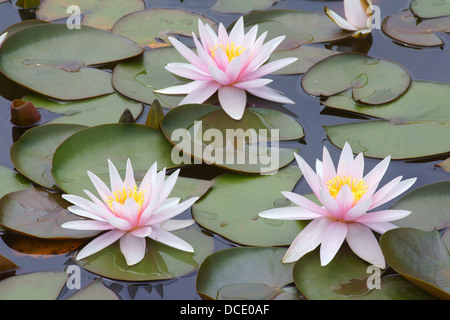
column 418, row 122
column 421, row 257
column 139, row 77
column 33, row 286
column 430, row 8
column 238, row 6
column 429, row 207
column 299, row 27
column 88, row 112
column 38, row 213
column 407, row 28
column 231, row 208
column 152, row 27
column 99, row 14
column 160, row 261
column 57, row 62
column 94, row 291
column 373, row 81
column 32, row 154
column 207, row 134
column 347, row 277
column 12, row 181
column 230, row 274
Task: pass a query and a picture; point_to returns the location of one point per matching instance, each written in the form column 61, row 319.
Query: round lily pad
column 88, row 112
column 238, row 6
column 428, row 206
column 94, row 291
column 430, row 8
column 347, row 277
column 160, row 261
column 90, row 149
column 57, row 62
column 98, row 13
column 421, row 257
column 32, row 154
column 418, row 122
column 12, row 181
column 139, row 77
column 231, row 208
column 207, row 134
column 230, row 274
column 407, row 28
column 373, row 81
column 38, row 213
column 152, row 27
column 299, row 27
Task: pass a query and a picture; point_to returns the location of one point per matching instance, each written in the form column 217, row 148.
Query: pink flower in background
column 358, row 15
column 347, row 213
column 231, row 64
column 131, row 213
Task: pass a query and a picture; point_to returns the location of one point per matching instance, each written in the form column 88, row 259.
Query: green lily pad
column 22, row 25
column 347, row 277
column 160, row 261
column 231, row 208
column 299, row 27
column 206, row 133
column 12, row 181
column 430, row 8
column 407, row 28
column 421, row 257
column 373, row 81
column 57, row 62
column 33, row 286
column 238, row 6
column 32, row 154
column 139, row 77
column 88, row 112
column 99, row 14
column 152, row 27
column 38, row 213
column 230, row 274
column 95, row 291
column 418, row 123
column 428, row 206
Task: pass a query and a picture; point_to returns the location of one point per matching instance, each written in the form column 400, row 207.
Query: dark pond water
column 423, row 64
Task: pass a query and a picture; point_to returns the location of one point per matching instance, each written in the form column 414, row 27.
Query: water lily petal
column 301, row 201
column 101, row 187
column 358, row 210
column 328, row 169
column 237, row 32
column 100, row 243
column 187, row 71
column 383, row 216
column 219, row 76
column 309, row 175
column 289, row 213
column 181, row 89
column 3, row 37
column 114, row 176
column 120, row 224
column 171, row 240
column 142, row 231
column 201, row 93
column 345, row 164
column 373, row 178
column 341, row 22
column 270, row 94
column 171, row 212
column 269, row 68
column 333, row 238
column 133, row 248
column 233, row 101
column 381, row 227
column 356, row 13
column 87, row 225
column 252, row 84
column 85, row 213
column 129, row 181
column 172, row 225
column 380, row 199
column 168, row 186
column 188, row 54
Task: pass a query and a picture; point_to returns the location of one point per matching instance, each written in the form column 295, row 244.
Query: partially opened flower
column 348, row 201
column 358, row 14
column 231, row 64
column 131, row 213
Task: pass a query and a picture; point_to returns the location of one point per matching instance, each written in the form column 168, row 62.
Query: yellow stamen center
column 358, row 187
column 230, row 50
column 122, row 196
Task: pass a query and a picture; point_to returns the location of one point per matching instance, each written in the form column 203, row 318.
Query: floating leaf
column 32, row 154
column 155, row 115
column 97, row 13
column 206, row 133
column 347, row 277
column 231, row 208
column 419, row 256
column 418, row 123
column 139, row 77
column 152, row 27
column 299, row 27
column 38, row 213
column 238, row 6
column 430, row 8
column 94, row 291
column 160, row 261
column 373, row 81
column 428, row 206
column 55, row 61
column 230, row 274
column 12, row 181
column 405, row 27
column 33, row 286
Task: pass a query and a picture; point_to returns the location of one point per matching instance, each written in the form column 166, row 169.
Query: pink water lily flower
column 348, row 201
column 131, row 213
column 231, row 64
column 358, row 15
